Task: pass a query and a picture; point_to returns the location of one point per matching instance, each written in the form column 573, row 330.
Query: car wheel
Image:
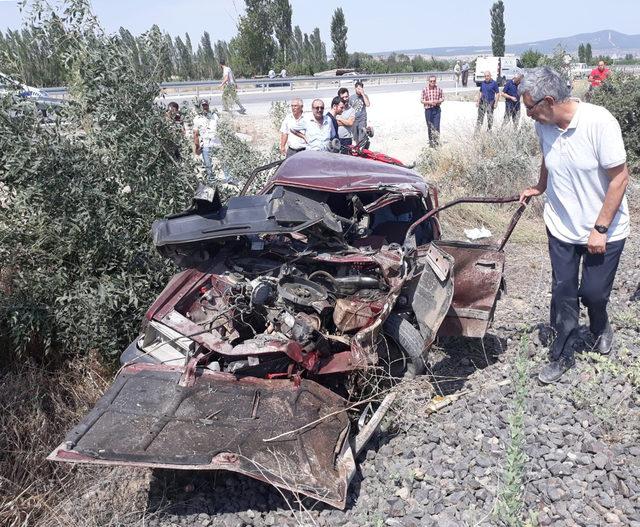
column 409, row 342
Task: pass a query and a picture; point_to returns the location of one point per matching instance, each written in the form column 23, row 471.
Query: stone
column 600, row 460
column 555, row 493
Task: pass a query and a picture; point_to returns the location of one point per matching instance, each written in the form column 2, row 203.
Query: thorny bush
column 78, row 196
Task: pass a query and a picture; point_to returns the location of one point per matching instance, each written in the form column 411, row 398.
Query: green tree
column 318, row 50
column 84, row 190
column 183, row 60
column 497, row 28
column 221, row 49
column 297, row 46
column 531, row 58
column 282, row 25
column 208, row 58
column 588, row 53
column 253, row 49
column 581, row 53
column 339, row 38
column 169, row 60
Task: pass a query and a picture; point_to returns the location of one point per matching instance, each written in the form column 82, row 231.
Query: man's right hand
column 198, row 150
column 529, row 193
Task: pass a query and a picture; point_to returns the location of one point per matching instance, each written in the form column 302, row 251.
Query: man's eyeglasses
column 530, row 108
column 318, row 107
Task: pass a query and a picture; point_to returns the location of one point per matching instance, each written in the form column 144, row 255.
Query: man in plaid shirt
column 432, row 98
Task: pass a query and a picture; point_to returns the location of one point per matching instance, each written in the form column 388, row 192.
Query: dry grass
column 501, row 164
column 37, row 407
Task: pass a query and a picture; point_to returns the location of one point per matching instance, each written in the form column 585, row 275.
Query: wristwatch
column 602, row 229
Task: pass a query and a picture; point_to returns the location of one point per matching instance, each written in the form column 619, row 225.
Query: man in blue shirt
column 486, row 100
column 512, row 100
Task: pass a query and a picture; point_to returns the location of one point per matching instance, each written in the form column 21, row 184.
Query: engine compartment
column 283, row 304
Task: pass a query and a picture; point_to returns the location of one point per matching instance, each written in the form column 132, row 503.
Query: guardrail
column 315, row 82
column 266, row 84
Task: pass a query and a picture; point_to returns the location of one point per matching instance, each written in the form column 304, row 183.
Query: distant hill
column 605, row 42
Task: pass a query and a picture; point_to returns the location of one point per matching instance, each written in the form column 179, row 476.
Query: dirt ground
column 398, row 122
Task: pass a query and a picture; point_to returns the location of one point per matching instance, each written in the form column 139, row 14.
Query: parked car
column 44, row 103
column 248, row 359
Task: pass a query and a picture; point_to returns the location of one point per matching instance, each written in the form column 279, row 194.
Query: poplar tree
column 497, row 28
column 339, row 38
column 282, row 25
column 581, row 53
column 588, row 54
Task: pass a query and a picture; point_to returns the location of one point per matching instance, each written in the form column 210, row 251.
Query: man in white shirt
column 229, row 89
column 205, row 137
column 584, row 174
column 318, row 131
column 292, row 131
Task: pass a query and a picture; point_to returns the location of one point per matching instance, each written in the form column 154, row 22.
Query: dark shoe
column 555, row 369
column 604, row 341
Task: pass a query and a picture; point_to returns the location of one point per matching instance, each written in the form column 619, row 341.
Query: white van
column 501, row 68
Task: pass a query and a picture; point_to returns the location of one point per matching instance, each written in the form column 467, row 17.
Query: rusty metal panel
column 147, row 419
column 477, row 274
column 431, row 290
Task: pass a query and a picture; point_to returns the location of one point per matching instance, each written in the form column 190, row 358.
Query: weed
column 36, row 407
column 277, row 112
column 510, row 500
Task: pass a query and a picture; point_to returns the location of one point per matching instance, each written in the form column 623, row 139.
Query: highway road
column 260, row 99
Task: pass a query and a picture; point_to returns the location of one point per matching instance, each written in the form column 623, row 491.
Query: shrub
column 620, row 94
column 78, row 264
column 240, row 158
column 484, row 164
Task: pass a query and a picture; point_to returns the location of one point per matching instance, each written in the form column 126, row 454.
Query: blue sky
column 374, row 25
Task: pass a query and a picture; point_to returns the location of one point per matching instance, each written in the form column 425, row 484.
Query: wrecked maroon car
column 248, row 359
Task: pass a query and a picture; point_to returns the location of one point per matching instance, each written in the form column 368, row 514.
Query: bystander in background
column 465, row 74
column 457, row 72
column 346, row 120
column 486, row 100
column 292, row 131
column 512, row 100
column 319, row 127
column 359, row 101
column 205, row 138
column 432, row 97
column 229, row 89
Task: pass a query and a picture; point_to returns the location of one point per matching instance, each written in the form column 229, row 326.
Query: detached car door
column 478, row 275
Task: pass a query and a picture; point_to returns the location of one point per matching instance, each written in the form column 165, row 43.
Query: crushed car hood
column 294, row 437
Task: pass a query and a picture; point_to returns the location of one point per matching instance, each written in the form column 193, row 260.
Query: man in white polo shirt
column 319, row 127
column 292, row 138
column 584, row 174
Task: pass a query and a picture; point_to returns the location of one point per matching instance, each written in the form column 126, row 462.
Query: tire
column 410, row 343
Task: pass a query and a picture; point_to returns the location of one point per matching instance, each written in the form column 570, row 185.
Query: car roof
column 344, row 173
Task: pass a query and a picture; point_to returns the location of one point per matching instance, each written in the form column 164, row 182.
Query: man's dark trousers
column 485, row 107
column 511, row 113
column 598, row 272
column 432, row 115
